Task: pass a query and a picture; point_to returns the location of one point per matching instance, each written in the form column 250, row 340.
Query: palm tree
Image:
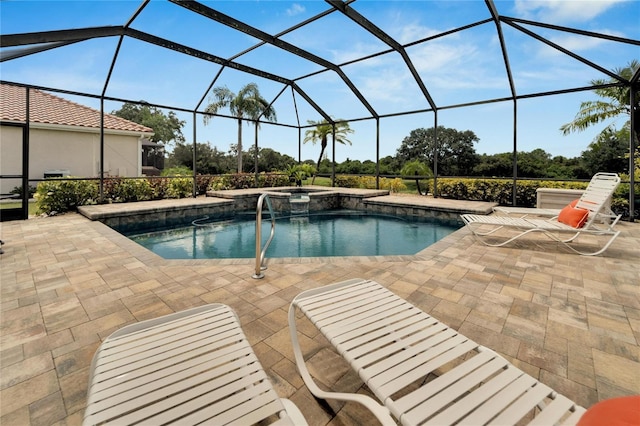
column 594, row 112
column 417, row 168
column 246, row 105
column 321, row 132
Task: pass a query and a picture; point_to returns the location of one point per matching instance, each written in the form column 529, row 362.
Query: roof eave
column 84, row 129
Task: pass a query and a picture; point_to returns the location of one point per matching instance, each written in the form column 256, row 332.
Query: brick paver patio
column 571, row 321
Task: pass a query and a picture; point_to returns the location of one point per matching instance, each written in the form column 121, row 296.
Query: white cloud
column 413, row 32
column 295, row 9
column 389, row 85
column 577, row 43
column 354, row 51
column 563, row 10
column 573, row 43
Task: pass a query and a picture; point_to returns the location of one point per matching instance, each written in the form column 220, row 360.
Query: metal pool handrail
column 260, row 252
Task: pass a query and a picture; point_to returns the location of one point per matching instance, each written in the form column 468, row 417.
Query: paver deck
column 571, row 321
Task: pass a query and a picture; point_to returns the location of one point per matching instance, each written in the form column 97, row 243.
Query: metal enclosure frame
column 33, row 43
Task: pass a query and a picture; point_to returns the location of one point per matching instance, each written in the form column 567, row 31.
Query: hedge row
column 501, row 191
column 67, row 194
column 244, row 181
column 498, row 190
column 369, row 182
column 490, row 190
column 62, row 195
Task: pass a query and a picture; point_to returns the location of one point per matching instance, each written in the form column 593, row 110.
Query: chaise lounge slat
column 190, row 367
column 420, row 370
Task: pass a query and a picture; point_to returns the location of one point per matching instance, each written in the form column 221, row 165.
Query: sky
column 458, row 68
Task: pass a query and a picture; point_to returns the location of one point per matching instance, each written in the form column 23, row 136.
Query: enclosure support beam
column 19, row 53
column 435, row 154
column 255, row 154
column 101, row 171
column 565, row 51
column 333, row 155
column 195, row 157
column 377, row 152
column 11, row 40
column 633, row 145
column 505, row 57
column 230, row 22
column 515, row 152
column 385, row 38
column 25, row 160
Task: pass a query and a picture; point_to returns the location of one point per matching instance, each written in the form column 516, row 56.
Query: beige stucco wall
column 10, row 157
column 66, row 149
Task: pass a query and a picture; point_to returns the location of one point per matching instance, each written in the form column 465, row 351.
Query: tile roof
column 50, row 109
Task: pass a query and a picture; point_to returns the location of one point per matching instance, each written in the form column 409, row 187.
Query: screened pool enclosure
column 501, row 69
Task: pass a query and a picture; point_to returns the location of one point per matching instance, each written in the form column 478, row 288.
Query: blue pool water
column 340, row 233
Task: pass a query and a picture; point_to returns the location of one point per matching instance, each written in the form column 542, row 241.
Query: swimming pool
column 336, row 233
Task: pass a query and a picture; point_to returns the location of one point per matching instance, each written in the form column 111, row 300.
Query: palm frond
column 590, row 113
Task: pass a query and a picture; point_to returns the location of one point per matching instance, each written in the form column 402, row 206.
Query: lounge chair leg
column 380, row 411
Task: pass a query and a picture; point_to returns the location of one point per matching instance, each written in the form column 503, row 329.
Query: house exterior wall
column 10, row 157
column 68, row 149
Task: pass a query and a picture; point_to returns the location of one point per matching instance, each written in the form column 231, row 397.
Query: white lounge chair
column 593, row 201
column 396, row 348
column 601, row 184
column 189, row 367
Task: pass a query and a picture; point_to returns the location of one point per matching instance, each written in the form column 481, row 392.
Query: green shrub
column 18, row 190
column 248, row 180
column 63, row 195
column 219, row 183
column 202, row 184
column 393, row 185
column 159, row 187
column 621, row 206
column 271, row 180
column 177, row 171
column 369, row 182
column 122, row 190
column 180, row 187
column 501, row 191
column 620, row 199
column 299, row 172
column 242, row 181
column 347, row 181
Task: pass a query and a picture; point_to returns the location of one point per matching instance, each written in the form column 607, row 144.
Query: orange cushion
column 573, row 216
column 623, row 411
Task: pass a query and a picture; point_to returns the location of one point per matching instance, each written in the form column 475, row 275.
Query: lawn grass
column 16, row 205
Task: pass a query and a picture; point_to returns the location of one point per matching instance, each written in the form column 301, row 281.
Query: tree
column 209, row 160
column 456, row 154
column 389, row 165
column 167, row 129
column 270, row 160
column 368, row 167
column 533, row 164
column 349, row 166
column 321, row 132
column 248, row 104
column 494, row 165
column 594, row 112
column 566, row 168
column 607, row 153
column 417, row 168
